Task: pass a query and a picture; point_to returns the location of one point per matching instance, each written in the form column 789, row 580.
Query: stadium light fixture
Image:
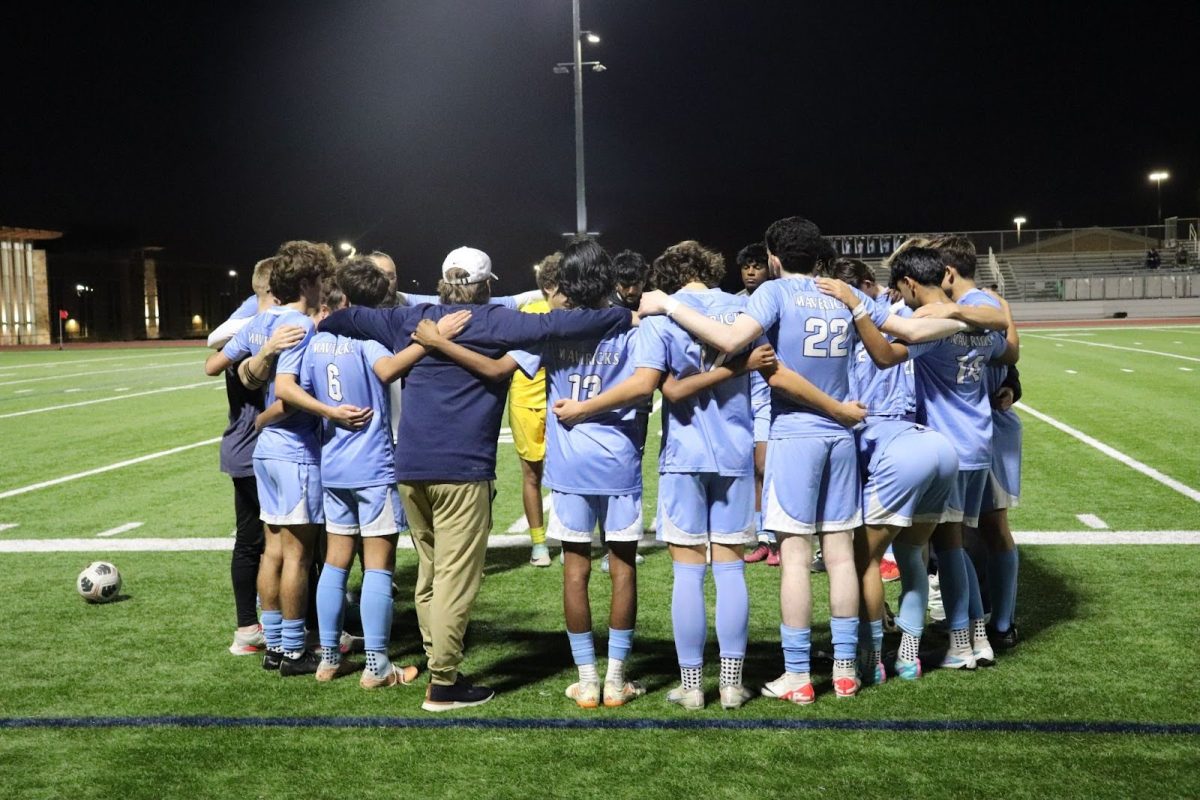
column 1158, row 176
column 348, row 249
column 592, row 37
column 576, row 65
column 1019, row 221
column 233, row 273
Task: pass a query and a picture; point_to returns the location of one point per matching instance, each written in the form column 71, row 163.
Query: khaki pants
column 449, row 524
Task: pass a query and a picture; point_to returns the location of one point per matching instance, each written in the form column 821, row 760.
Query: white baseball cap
column 475, row 262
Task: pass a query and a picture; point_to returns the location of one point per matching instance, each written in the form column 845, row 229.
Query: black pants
column 247, row 550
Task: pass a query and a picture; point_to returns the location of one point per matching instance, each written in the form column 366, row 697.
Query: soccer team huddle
column 815, row 406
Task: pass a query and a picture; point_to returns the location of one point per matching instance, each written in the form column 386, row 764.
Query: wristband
column 669, row 306
column 859, row 311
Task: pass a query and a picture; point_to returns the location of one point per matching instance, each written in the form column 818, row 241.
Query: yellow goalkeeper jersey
column 530, row 392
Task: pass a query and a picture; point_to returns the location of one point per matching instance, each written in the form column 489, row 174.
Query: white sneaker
column 540, row 556
column 247, row 644
column 937, row 612
column 619, row 694
column 799, row 692
column 735, row 696
column 960, row 658
column 691, row 699
column 585, row 695
column 983, row 653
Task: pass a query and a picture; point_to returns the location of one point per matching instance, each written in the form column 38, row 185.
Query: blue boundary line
column 533, row 723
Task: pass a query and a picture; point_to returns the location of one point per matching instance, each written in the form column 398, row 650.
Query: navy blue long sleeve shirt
column 451, row 418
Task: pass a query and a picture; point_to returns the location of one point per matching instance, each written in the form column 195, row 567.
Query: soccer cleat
column 872, row 676
column 1003, row 641
column 327, row 672
column 616, row 695
column 937, row 611
column 847, row 685
column 760, row 553
column 396, row 676
column 247, row 644
column 889, row 570
column 735, row 696
column 639, row 559
column 773, row 558
column 908, row 670
column 306, row 664
column 604, row 563
column 983, row 653
column 585, row 695
column 349, row 643
column 783, row 688
column 271, row 660
column 818, row 563
column 959, row 658
column 460, row 694
column 690, row 699
column 540, row 556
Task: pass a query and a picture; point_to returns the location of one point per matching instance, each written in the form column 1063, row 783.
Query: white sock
column 616, row 672
column 588, row 674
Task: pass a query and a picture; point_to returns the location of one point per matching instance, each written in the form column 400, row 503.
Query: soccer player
column 951, row 398
column 286, row 456
column 357, row 473
column 811, row 484
column 706, row 483
column 1004, row 481
column 752, row 266
column 446, row 449
column 527, row 420
column 631, row 276
column 909, row 470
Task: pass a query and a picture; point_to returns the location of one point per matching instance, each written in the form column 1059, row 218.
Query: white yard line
column 128, row 526
column 1118, row 347
column 1112, row 452
column 1092, row 521
column 522, row 524
column 1062, row 329
column 178, row 365
column 23, row 391
column 4, row 526
column 504, row 541
column 98, row 470
column 105, row 399
column 171, row 351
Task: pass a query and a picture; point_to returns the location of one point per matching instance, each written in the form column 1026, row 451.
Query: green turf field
column 101, row 439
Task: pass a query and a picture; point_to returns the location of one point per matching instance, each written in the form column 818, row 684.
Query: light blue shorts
column 909, row 476
column 1004, row 484
column 370, row 511
column 811, row 485
column 288, row 493
column 966, row 498
column 574, row 517
column 699, row 508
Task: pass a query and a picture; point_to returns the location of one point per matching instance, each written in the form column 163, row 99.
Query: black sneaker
column 461, row 695
column 271, row 660
column 1003, row 641
column 304, row 665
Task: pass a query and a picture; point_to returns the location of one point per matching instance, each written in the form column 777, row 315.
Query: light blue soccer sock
column 733, row 607
column 376, row 610
column 797, row 648
column 1002, row 586
column 974, row 598
column 620, row 642
column 331, row 600
column 870, row 635
column 952, row 577
column 844, row 634
column 293, row 637
column 688, row 614
column 583, row 651
column 272, row 622
column 914, row 588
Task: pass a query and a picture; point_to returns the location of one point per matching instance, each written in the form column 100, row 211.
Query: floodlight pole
column 580, row 200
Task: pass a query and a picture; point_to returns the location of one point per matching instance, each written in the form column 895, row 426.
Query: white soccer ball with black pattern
column 99, row 583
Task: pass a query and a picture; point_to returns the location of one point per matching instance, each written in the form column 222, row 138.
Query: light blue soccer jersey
column 598, row 456
column 814, row 335
column 295, row 437
column 996, row 373
column 951, row 396
column 337, row 370
column 712, row 431
column 887, row 393
column 247, row 309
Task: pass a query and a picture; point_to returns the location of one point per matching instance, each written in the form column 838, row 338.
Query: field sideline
column 108, row 448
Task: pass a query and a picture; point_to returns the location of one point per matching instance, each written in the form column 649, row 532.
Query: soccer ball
column 99, row 583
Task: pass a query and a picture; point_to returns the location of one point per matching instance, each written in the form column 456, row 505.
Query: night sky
column 219, row 129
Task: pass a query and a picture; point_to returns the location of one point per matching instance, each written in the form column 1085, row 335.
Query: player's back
column 712, row 431
column 887, row 393
column 293, row 438
column 339, row 371
column 950, row 392
column 600, row 455
column 814, row 335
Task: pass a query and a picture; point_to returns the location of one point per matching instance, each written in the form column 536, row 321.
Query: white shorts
column 288, row 493
column 574, row 517
column 370, row 511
